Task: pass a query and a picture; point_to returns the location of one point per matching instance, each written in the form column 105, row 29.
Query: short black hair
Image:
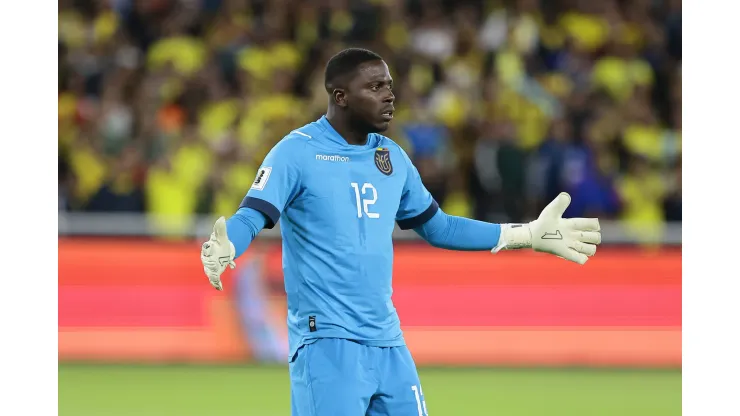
column 345, row 62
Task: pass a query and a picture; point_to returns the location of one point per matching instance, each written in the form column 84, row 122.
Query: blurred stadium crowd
column 168, row 106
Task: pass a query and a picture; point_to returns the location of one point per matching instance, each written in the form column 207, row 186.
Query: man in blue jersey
column 339, row 188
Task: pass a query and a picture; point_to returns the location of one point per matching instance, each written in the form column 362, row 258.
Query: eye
column 374, row 88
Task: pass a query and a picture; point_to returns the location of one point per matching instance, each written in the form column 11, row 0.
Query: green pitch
column 92, row 390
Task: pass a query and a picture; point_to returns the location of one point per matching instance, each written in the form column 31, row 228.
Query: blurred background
column 167, row 108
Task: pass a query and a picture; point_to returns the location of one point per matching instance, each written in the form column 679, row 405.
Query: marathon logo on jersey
column 261, row 180
column 332, row 158
column 383, row 160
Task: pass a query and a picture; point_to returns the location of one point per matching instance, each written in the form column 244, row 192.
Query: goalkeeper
column 338, row 188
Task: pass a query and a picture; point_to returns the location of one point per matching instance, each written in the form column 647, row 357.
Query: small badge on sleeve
column 312, row 323
column 261, row 180
column 383, row 160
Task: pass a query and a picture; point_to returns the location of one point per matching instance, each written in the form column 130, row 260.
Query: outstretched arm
column 573, row 239
column 459, row 233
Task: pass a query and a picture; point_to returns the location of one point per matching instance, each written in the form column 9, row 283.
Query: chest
column 363, row 186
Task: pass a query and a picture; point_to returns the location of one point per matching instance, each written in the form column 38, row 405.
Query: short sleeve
column 417, row 205
column 277, row 181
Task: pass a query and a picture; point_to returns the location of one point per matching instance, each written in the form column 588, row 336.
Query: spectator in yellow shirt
column 642, row 191
column 187, row 54
column 621, row 71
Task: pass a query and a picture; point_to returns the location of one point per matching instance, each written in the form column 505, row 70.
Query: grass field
column 117, row 390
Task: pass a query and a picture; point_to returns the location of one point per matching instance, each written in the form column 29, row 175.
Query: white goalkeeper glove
column 217, row 253
column 573, row 239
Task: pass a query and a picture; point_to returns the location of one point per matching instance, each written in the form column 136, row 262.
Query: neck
column 344, row 127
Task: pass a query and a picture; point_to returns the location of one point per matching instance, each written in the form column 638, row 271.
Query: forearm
column 458, row 233
column 243, row 227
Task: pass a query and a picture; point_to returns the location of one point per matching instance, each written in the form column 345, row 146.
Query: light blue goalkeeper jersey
column 338, row 205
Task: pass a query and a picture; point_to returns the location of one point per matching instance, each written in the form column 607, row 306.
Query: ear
column 339, row 96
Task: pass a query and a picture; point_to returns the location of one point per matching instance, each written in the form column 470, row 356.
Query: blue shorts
column 338, row 377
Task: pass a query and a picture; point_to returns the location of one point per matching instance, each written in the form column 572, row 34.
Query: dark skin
column 362, row 102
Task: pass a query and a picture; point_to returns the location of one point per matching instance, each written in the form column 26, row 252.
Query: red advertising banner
column 149, row 301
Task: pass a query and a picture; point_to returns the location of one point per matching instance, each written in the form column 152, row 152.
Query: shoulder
column 291, row 146
column 304, row 133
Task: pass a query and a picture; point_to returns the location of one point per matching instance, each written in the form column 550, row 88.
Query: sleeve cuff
column 269, row 210
column 421, row 219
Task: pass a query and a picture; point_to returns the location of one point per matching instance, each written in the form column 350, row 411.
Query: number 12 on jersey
column 363, row 203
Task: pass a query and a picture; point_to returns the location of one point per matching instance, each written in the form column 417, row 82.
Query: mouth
column 387, row 115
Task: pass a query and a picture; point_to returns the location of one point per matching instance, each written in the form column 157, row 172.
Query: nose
column 389, row 98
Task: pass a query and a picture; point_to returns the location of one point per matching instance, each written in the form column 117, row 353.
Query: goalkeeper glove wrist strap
column 513, row 237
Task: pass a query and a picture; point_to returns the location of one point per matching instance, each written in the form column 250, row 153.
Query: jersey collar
column 337, row 138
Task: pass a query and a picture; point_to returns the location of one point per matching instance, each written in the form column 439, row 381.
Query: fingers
column 583, row 248
column 584, row 224
column 219, row 229
column 213, row 274
column 211, row 266
column 575, row 256
column 590, row 237
column 556, row 208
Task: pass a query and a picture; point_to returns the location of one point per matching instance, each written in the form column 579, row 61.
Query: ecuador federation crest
column 383, row 160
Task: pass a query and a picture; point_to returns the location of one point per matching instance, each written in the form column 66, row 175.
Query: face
column 369, row 97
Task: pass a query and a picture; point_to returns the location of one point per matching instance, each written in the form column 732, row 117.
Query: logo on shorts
column 383, row 160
